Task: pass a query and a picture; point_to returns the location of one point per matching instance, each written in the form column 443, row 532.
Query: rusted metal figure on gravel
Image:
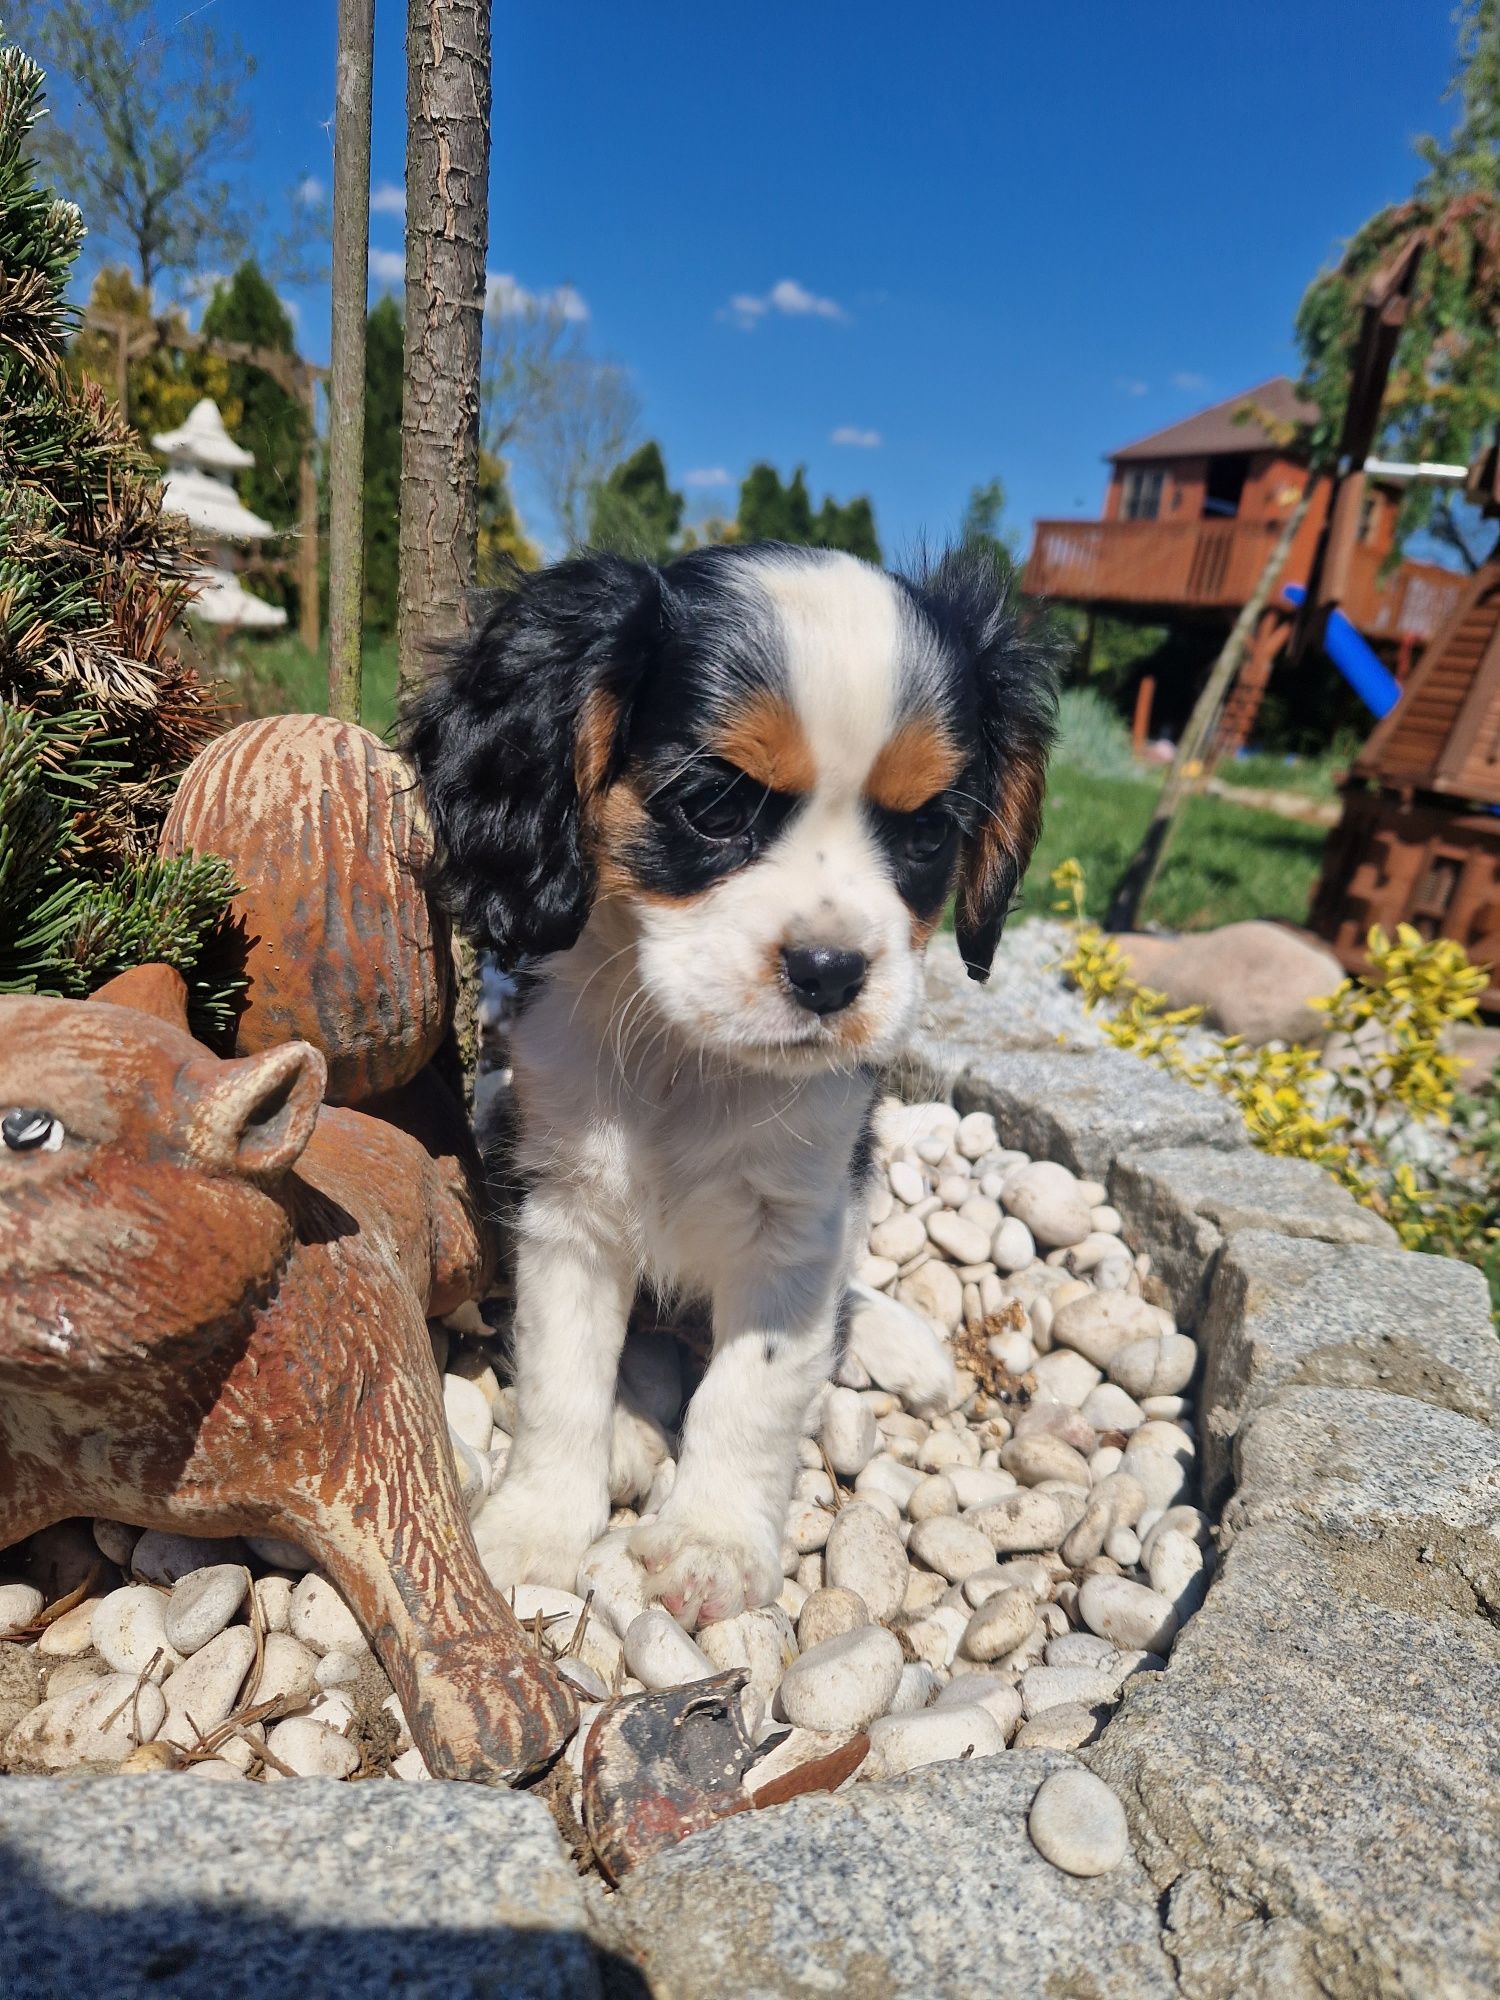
column 214, row 1286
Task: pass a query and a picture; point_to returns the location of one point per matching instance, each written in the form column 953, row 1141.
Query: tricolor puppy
column 720, row 806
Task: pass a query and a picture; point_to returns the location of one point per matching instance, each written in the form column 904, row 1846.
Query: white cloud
column 1131, row 386
column 309, row 192
column 707, row 475
column 388, row 199
column 503, row 294
column 1189, row 381
column 852, row 434
column 387, row 267
column 748, row 309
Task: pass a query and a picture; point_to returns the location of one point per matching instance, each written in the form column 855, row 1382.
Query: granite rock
column 1284, row 1312
column 138, row 1889
column 1312, row 1783
column 907, row 1888
column 1181, row 1202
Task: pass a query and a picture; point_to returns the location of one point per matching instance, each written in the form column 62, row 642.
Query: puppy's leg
column 715, row 1548
column 574, row 1289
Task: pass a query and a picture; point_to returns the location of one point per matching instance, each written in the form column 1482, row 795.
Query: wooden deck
column 1169, row 566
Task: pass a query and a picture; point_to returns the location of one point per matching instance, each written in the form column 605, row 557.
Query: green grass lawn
column 1227, row 861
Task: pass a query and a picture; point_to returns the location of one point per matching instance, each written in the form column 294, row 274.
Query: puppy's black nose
column 822, row 978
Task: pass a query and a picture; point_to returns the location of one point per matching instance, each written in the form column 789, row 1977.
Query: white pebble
column 953, row 1548
column 908, row 1183
column 762, row 1641
column 310, row 1749
column 829, row 1612
column 99, row 1722
column 71, row 1636
column 1123, row 1545
column 203, row 1691
column 936, row 1292
column 1047, row 1198
column 411, row 1765
column 999, row 1625
column 997, row 1697
column 916, row 1687
column 1108, row 1408
column 468, row 1411
column 1127, row 1614
column 1022, row 1523
column 1013, row 1246
column 20, row 1605
column 617, row 1578
column 288, row 1671
column 660, row 1654
column 1178, row 1571
column 848, row 1433
column 1050, row 1687
column 975, row 1135
column 1065, row 1377
column 864, row 1554
column 129, row 1632
column 320, row 1618
column 977, row 1485
column 1098, row 1325
column 845, row 1682
column 1078, row 1824
column 203, row 1603
column 337, row 1670
column 886, row 1474
column 897, row 1349
column 1157, row 1365
column 898, row 1238
column 273, row 1596
column 900, row 1743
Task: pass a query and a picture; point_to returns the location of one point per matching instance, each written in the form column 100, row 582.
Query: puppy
column 721, row 806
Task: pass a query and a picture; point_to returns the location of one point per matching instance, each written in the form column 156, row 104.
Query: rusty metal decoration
column 657, row 1767
column 215, row 1286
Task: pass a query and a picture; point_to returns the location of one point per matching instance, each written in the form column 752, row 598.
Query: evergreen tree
column 268, row 422
column 95, row 713
column 771, row 512
column 634, row 510
column 162, row 384
column 383, row 343
column 503, row 542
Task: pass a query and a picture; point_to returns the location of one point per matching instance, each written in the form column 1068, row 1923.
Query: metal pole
column 346, row 391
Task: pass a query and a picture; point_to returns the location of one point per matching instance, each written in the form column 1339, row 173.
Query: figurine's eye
column 28, row 1130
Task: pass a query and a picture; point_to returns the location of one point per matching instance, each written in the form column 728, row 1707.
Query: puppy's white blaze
column 843, row 636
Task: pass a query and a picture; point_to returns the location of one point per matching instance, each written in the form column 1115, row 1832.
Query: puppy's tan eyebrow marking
column 915, row 764
column 766, row 741
column 594, row 741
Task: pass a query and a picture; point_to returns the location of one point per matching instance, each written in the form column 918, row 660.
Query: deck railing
column 1214, row 565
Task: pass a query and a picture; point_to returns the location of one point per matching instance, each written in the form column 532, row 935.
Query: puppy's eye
column 927, row 833
column 723, row 813
column 28, row 1130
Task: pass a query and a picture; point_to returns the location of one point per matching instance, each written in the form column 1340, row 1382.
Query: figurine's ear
column 252, row 1118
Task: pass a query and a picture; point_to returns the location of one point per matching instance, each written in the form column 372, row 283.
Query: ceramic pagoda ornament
column 202, row 459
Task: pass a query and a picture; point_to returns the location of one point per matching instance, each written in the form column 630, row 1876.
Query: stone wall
column 1313, row 1784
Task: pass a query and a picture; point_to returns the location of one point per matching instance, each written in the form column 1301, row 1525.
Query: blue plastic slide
column 1377, row 688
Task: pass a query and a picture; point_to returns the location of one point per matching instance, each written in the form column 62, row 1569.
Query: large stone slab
column 169, row 1888
column 962, row 1021
column 1314, row 1782
column 1181, row 1202
column 1086, row 1108
column 922, row 1889
column 1287, row 1312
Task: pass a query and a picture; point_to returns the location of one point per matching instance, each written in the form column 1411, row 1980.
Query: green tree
column 502, row 539
column 772, row 512
column 150, row 122
column 850, row 527
column 634, row 510
column 382, row 466
column 983, row 524
column 270, row 423
column 162, row 384
column 1443, row 398
column 95, row 713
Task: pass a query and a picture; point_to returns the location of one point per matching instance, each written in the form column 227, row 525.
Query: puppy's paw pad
column 704, row 1574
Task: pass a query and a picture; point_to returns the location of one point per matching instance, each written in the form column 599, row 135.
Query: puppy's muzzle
column 822, row 978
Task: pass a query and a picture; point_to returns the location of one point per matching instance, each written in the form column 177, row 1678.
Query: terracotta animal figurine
column 214, row 1287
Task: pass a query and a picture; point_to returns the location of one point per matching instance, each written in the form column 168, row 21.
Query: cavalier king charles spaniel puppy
column 718, row 808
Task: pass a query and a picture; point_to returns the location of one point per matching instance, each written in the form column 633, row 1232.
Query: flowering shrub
column 1392, row 1072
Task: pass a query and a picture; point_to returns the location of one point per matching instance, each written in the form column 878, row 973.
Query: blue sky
column 1006, row 237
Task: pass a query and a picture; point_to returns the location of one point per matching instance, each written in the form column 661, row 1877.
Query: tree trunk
column 447, row 230
column 1136, row 884
column 346, row 389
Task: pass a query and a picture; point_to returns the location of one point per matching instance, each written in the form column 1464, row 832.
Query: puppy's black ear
column 1014, row 665
column 521, row 722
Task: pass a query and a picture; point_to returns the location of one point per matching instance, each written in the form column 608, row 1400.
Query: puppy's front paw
column 702, row 1570
column 527, row 1537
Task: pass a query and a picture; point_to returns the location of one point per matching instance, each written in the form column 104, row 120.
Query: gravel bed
column 992, row 1530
